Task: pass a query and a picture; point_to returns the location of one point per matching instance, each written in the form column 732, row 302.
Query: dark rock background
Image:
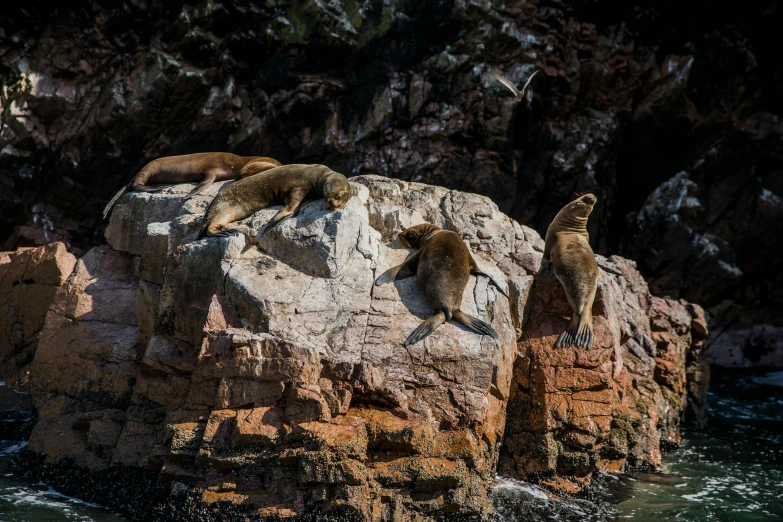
column 668, row 111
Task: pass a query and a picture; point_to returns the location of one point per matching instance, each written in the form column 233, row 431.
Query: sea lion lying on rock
column 442, row 266
column 288, row 185
column 205, row 167
column 567, row 246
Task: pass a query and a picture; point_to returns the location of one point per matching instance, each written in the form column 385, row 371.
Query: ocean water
column 22, row 501
column 730, row 472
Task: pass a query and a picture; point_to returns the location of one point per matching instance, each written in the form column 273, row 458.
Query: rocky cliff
column 269, row 372
column 670, row 113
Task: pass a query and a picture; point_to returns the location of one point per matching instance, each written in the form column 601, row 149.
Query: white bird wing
column 506, row 83
column 528, row 81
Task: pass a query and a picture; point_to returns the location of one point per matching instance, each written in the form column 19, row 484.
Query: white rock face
column 308, row 285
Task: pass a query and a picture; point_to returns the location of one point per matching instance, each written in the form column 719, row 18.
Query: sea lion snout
column 338, row 201
column 589, row 199
column 338, row 195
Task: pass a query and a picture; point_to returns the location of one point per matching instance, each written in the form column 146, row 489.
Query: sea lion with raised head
column 288, row 185
column 204, row 167
column 442, row 266
column 567, row 246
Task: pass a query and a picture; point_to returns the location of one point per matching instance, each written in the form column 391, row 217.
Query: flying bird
column 517, row 93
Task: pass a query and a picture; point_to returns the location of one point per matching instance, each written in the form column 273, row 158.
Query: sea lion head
column 338, row 192
column 415, row 236
column 582, row 206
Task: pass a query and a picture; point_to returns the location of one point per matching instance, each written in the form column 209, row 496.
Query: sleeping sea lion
column 567, row 246
column 442, row 266
column 288, row 185
column 206, row 167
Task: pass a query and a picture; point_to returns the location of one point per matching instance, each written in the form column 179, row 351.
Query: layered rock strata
column 269, row 371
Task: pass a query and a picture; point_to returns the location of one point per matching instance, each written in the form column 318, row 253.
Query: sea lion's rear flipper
column 579, row 332
column 209, row 179
column 584, row 335
column 113, row 200
column 475, row 324
column 406, row 269
column 255, row 167
column 425, row 328
column 568, row 338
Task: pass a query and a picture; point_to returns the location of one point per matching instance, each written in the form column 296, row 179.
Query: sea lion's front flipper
column 209, row 179
column 145, row 188
column 492, row 272
column 283, row 214
column 290, row 209
column 425, row 328
column 606, row 268
column 406, row 269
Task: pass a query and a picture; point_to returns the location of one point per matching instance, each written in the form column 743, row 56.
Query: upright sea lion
column 442, row 266
column 288, row 185
column 206, row 167
column 567, row 246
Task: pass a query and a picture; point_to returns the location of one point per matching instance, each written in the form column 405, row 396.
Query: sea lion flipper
column 283, row 214
column 255, row 167
column 475, row 324
column 605, row 268
column 117, row 196
column 144, row 188
column 487, row 272
column 291, row 208
column 584, row 337
column 209, row 179
column 425, row 328
column 406, row 269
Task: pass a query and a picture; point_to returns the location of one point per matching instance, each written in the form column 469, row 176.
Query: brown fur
column 204, row 167
column 288, row 185
column 567, row 246
column 443, row 266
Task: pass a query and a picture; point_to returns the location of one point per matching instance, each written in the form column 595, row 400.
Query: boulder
column 270, row 371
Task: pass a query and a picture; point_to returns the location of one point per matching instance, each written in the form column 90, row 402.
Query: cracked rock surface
column 269, row 371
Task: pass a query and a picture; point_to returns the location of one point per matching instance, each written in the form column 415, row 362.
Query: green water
column 733, row 471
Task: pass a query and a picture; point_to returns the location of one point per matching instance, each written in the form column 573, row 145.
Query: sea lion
column 442, row 266
column 567, row 246
column 288, row 185
column 206, row 167
column 517, row 93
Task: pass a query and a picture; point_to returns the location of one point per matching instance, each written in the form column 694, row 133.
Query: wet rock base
column 136, row 494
